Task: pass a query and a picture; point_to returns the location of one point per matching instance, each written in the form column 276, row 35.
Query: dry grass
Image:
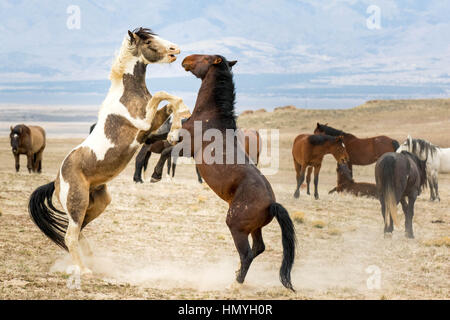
column 298, row 217
column 440, row 242
column 169, row 240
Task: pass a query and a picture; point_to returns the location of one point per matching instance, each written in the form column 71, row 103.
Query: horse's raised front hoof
column 316, row 196
column 296, row 194
column 388, row 235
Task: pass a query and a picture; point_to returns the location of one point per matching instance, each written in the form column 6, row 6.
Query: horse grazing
column 126, row 116
column 360, row 151
column 399, row 176
column 438, row 160
column 28, row 140
column 252, row 203
column 248, row 138
column 309, row 150
column 344, row 184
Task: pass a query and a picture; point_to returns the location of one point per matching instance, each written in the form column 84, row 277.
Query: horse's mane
column 421, row 165
column 126, row 52
column 318, row 139
column 419, row 146
column 224, row 94
column 331, row 131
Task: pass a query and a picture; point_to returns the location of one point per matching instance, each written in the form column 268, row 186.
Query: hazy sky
column 307, row 53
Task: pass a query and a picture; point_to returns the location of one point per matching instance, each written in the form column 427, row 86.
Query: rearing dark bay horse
column 252, row 203
column 361, row 151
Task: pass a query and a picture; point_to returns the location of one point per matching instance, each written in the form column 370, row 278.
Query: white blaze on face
column 171, row 49
column 15, row 135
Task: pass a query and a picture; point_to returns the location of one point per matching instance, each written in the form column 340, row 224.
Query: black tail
column 52, row 222
column 288, row 240
column 395, row 144
column 388, row 190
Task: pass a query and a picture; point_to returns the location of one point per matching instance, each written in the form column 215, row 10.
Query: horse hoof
column 296, row 195
column 154, row 180
column 409, row 236
column 316, row 196
column 388, row 235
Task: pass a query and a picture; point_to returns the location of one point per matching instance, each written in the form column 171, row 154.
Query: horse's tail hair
column 395, row 144
column 388, row 190
column 288, row 240
column 52, row 222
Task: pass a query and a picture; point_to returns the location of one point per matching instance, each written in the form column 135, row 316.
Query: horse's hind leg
column 258, row 246
column 436, row 188
column 431, row 184
column 99, row 199
column 316, row 181
column 77, row 201
column 308, row 179
column 241, row 242
column 245, row 253
column 300, row 175
column 38, row 161
column 409, row 216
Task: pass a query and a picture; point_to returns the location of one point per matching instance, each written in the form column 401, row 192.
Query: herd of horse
column 129, row 118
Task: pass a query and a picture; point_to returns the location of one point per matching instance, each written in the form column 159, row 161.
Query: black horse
column 399, row 176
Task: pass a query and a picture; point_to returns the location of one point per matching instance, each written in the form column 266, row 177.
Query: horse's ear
column 318, row 125
column 133, row 37
column 217, row 60
column 232, row 63
column 11, row 127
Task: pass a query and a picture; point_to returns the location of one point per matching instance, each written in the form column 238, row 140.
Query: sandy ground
column 169, row 240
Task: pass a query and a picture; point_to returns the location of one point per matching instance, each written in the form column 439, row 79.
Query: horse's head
column 319, row 129
column 16, row 136
column 406, row 146
column 199, row 64
column 150, row 48
column 340, row 154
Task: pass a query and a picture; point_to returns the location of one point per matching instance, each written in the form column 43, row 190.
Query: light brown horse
column 359, row 189
column 309, row 150
column 28, row 140
column 252, row 203
column 361, row 151
column 126, row 116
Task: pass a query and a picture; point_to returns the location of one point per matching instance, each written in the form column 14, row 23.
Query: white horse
column 126, row 116
column 438, row 160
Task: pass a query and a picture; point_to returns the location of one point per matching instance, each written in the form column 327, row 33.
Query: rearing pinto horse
column 126, row 116
column 361, row 151
column 252, row 203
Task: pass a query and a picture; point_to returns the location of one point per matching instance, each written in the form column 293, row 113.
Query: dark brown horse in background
column 347, row 184
column 28, row 140
column 361, row 151
column 252, row 203
column 399, row 176
column 309, row 150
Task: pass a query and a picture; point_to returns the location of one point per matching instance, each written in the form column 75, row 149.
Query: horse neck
column 132, row 81
column 206, row 106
